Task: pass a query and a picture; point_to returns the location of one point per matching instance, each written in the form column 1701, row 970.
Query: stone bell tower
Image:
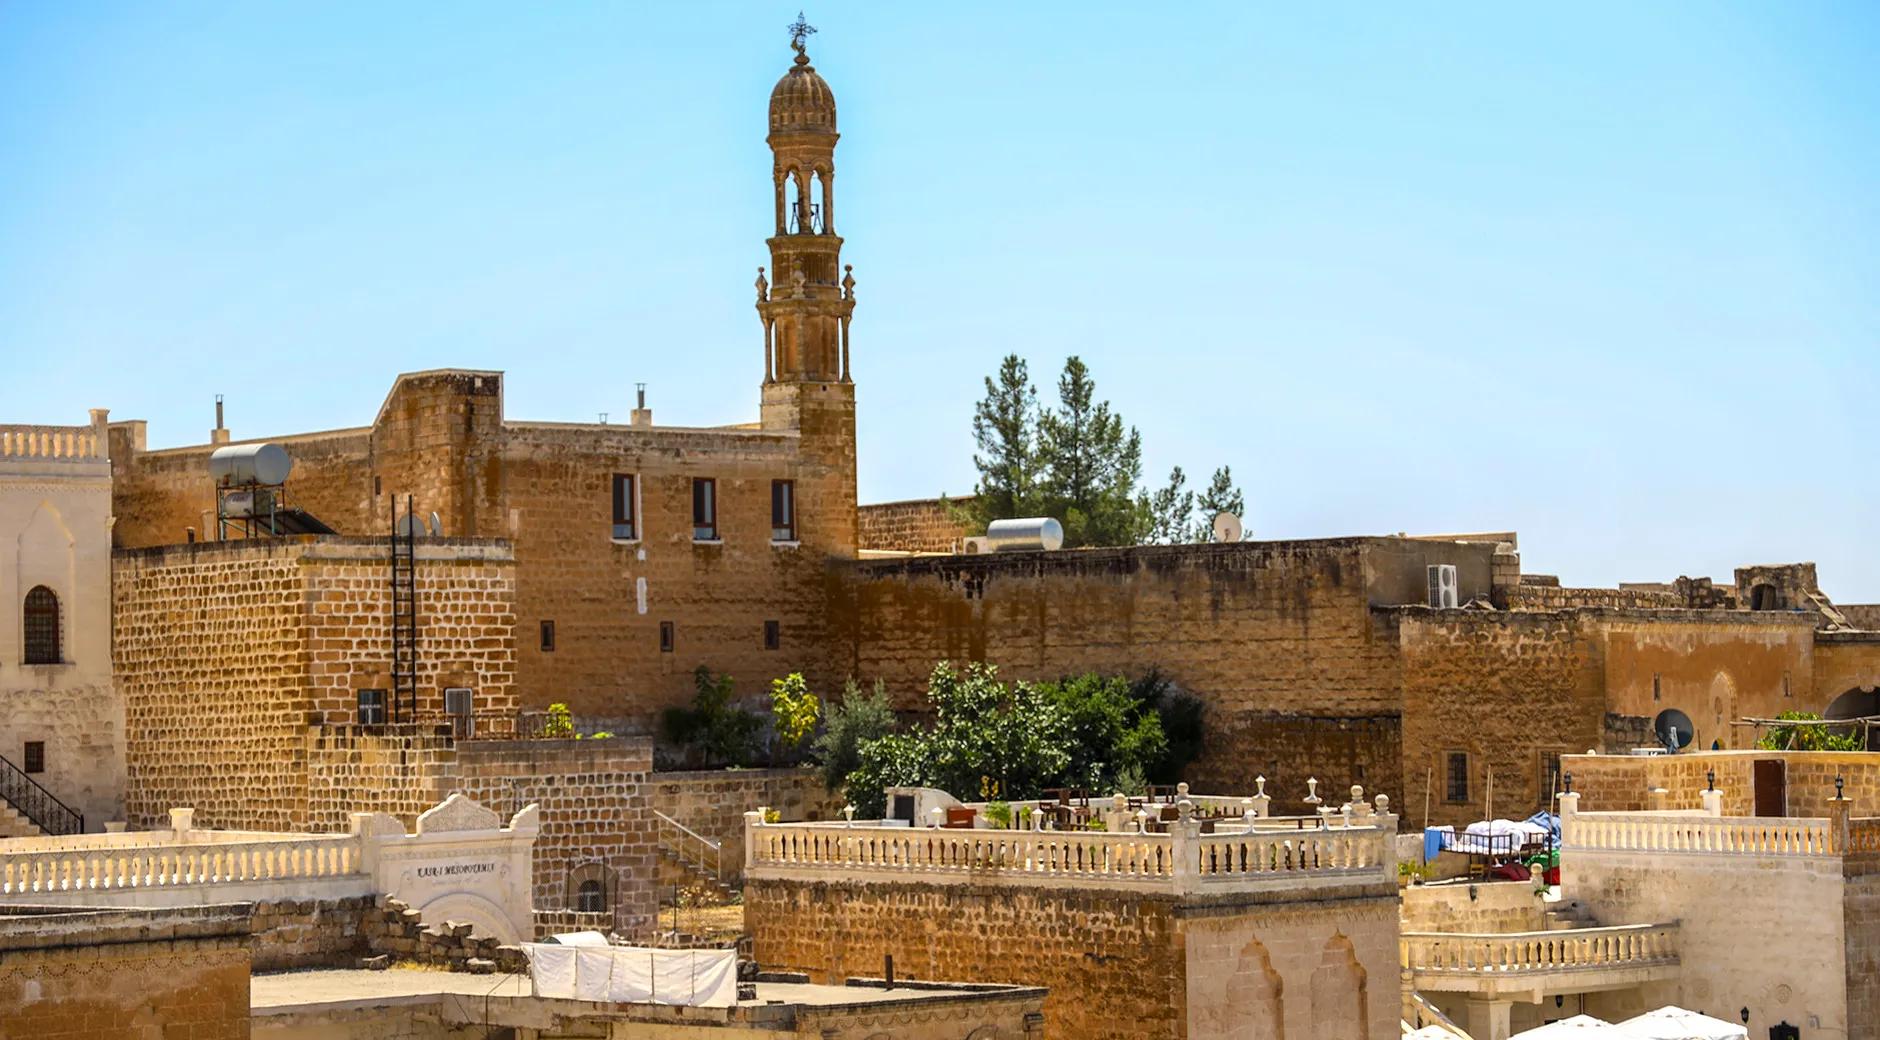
column 806, row 301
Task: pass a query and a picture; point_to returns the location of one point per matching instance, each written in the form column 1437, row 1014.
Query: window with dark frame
column 591, row 897
column 1549, row 778
column 626, row 528
column 773, row 635
column 783, row 510
column 548, row 636
column 1456, row 776
column 704, row 509
column 35, row 756
column 1658, row 690
column 41, row 624
column 665, row 637
column 371, row 708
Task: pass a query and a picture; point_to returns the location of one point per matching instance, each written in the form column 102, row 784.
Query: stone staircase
column 688, row 854
column 14, row 824
column 1566, row 915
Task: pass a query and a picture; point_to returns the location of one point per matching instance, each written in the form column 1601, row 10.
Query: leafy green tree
column 984, row 729
column 892, row 760
column 1005, row 431
column 1220, row 497
column 1808, row 738
column 713, row 731
column 1171, row 510
column 1180, row 715
column 852, row 722
column 793, row 711
column 1110, row 732
column 1090, row 464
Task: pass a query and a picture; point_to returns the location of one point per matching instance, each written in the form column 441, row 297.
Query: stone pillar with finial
column 1262, row 802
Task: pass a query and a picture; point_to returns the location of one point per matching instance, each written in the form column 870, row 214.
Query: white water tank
column 241, row 464
column 1023, row 533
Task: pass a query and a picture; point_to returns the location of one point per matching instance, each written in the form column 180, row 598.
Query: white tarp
column 1579, row 1027
column 634, row 974
column 1675, row 1023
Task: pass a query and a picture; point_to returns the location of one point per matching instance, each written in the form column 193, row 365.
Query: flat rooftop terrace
column 510, row 999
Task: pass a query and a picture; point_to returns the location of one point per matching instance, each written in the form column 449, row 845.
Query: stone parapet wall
column 920, row 525
column 1623, row 783
column 398, row 770
column 1513, row 906
column 1545, row 597
column 134, row 973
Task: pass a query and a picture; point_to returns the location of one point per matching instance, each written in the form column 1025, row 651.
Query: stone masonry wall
column 921, row 525
column 1544, row 597
column 713, row 803
column 1277, row 639
column 1505, row 689
column 1622, row 783
column 178, row 982
column 1861, row 925
column 595, row 815
column 227, row 651
column 397, row 769
column 1114, row 967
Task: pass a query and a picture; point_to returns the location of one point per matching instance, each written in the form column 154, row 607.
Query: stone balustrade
column 1667, row 832
column 1181, row 861
column 59, row 443
column 1513, row 953
column 104, row 869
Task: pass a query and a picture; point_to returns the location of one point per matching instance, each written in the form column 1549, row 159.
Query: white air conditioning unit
column 974, row 546
column 1443, row 585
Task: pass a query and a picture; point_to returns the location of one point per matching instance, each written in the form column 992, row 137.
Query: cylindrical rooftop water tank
column 242, row 464
column 1030, row 532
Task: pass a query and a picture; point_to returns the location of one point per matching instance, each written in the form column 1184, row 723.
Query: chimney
column 219, row 435
column 642, row 415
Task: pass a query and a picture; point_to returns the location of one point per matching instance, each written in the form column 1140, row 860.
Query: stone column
column 752, row 821
column 1713, row 802
column 1487, row 1019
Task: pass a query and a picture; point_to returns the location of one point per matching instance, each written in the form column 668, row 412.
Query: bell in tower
column 806, row 302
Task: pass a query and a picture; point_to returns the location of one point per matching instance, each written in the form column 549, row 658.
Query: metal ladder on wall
column 404, row 706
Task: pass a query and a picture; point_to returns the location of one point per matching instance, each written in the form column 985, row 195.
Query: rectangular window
column 371, row 707
column 704, row 509
column 665, row 637
column 773, row 635
column 1786, row 690
column 460, row 708
column 625, row 508
column 783, row 510
column 548, row 636
column 35, row 756
column 1658, row 690
column 1549, row 778
column 1456, row 776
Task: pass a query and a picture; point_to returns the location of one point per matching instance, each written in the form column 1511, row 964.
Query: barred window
column 42, row 626
column 1457, row 776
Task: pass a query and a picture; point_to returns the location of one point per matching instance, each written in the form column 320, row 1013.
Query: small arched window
column 591, row 897
column 41, row 622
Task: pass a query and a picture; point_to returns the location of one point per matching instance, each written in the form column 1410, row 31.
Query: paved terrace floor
column 294, row 992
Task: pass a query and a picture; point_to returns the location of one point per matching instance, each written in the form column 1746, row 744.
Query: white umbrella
column 1579, row 1027
column 1675, row 1023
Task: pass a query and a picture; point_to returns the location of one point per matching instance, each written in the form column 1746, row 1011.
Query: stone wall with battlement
column 918, row 525
column 227, row 652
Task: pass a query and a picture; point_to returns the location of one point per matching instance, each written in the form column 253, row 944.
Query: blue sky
column 1604, row 274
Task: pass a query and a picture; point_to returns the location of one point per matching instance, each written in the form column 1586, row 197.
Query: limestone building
column 61, row 720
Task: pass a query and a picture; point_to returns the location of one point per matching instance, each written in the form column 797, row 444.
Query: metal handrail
column 37, row 804
column 714, row 850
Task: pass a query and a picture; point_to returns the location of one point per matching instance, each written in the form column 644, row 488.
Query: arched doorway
column 1857, row 703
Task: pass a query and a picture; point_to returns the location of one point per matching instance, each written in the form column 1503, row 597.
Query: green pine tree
column 1089, row 465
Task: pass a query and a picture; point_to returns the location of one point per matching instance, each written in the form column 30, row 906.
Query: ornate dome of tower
column 802, row 100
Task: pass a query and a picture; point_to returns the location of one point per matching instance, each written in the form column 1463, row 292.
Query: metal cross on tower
column 799, row 32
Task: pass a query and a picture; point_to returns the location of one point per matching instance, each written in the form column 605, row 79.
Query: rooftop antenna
column 1673, row 729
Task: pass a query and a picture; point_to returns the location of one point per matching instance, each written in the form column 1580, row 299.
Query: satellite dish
column 437, row 525
column 409, row 526
column 1226, row 527
column 1673, row 729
